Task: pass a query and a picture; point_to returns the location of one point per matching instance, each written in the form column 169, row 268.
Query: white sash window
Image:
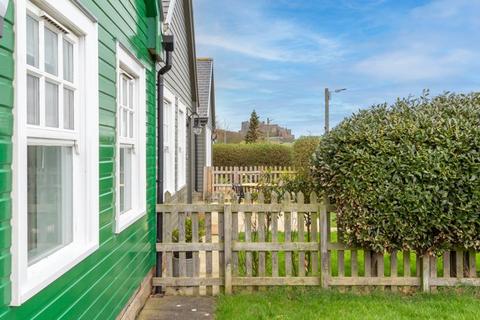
column 55, row 220
column 169, row 147
column 182, row 147
column 131, row 142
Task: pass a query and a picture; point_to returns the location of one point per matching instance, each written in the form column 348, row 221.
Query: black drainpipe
column 195, row 137
column 168, row 47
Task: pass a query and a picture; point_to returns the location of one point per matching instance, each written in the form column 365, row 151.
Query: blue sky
column 277, row 56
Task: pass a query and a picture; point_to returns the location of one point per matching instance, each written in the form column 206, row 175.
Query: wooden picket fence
column 288, row 242
column 221, row 179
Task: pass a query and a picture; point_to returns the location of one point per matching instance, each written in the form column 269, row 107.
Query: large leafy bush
column 406, row 176
column 252, row 154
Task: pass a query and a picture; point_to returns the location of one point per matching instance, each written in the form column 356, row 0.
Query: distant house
column 206, row 113
column 180, row 101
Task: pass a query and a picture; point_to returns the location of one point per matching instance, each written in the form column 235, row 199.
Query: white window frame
column 128, row 63
column 208, row 146
column 169, row 146
column 29, row 280
column 182, row 146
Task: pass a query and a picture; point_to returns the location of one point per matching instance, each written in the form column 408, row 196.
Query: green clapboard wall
column 100, row 286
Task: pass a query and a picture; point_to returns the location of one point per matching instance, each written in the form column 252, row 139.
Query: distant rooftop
column 205, row 82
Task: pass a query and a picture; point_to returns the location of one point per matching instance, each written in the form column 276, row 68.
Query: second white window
column 131, row 140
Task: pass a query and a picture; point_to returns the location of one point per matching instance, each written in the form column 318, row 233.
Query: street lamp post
column 328, row 96
column 327, row 110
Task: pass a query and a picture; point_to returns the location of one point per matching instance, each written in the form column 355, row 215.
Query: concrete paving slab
column 178, row 308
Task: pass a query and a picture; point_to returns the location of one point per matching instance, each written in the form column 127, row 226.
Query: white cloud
column 232, row 84
column 411, row 64
column 251, row 32
column 447, row 9
column 268, row 76
column 300, row 47
column 434, row 41
column 362, row 5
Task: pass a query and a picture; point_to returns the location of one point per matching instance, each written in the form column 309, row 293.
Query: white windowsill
column 128, row 218
column 180, row 188
column 49, row 269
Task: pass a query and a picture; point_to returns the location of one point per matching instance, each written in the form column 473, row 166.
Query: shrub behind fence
column 254, row 154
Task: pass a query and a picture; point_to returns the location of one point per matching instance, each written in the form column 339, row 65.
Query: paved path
column 178, row 308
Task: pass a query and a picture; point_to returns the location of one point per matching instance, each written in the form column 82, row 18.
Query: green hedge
column 407, row 176
column 256, row 154
column 303, row 150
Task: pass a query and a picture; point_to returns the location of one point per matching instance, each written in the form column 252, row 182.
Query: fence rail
column 221, row 179
column 290, row 241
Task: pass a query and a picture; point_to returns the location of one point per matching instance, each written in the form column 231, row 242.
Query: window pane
column 32, row 41
column 166, row 133
column 67, row 61
column 50, row 207
column 130, row 119
column 124, row 91
column 68, row 109
column 121, row 181
column 130, row 94
column 51, row 52
column 124, row 123
column 33, row 97
column 51, row 105
column 125, row 179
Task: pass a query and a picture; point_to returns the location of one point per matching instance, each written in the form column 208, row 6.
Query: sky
column 277, row 56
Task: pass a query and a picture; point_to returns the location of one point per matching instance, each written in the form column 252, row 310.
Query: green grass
column 310, row 303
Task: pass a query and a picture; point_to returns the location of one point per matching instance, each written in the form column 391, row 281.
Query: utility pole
column 328, row 96
column 327, row 110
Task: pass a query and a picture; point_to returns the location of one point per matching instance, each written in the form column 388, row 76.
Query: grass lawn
column 314, row 303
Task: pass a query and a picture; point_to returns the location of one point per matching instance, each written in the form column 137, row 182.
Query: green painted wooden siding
column 100, row 286
column 6, row 131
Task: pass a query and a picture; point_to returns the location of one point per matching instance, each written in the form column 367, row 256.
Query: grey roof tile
column 204, row 79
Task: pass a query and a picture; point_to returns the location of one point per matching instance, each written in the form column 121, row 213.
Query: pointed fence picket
column 288, row 241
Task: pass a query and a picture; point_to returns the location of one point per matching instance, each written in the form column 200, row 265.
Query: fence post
column 426, row 273
column 236, row 177
column 227, row 242
column 324, row 243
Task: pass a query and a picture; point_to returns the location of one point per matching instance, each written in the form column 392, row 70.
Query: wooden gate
column 236, row 242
